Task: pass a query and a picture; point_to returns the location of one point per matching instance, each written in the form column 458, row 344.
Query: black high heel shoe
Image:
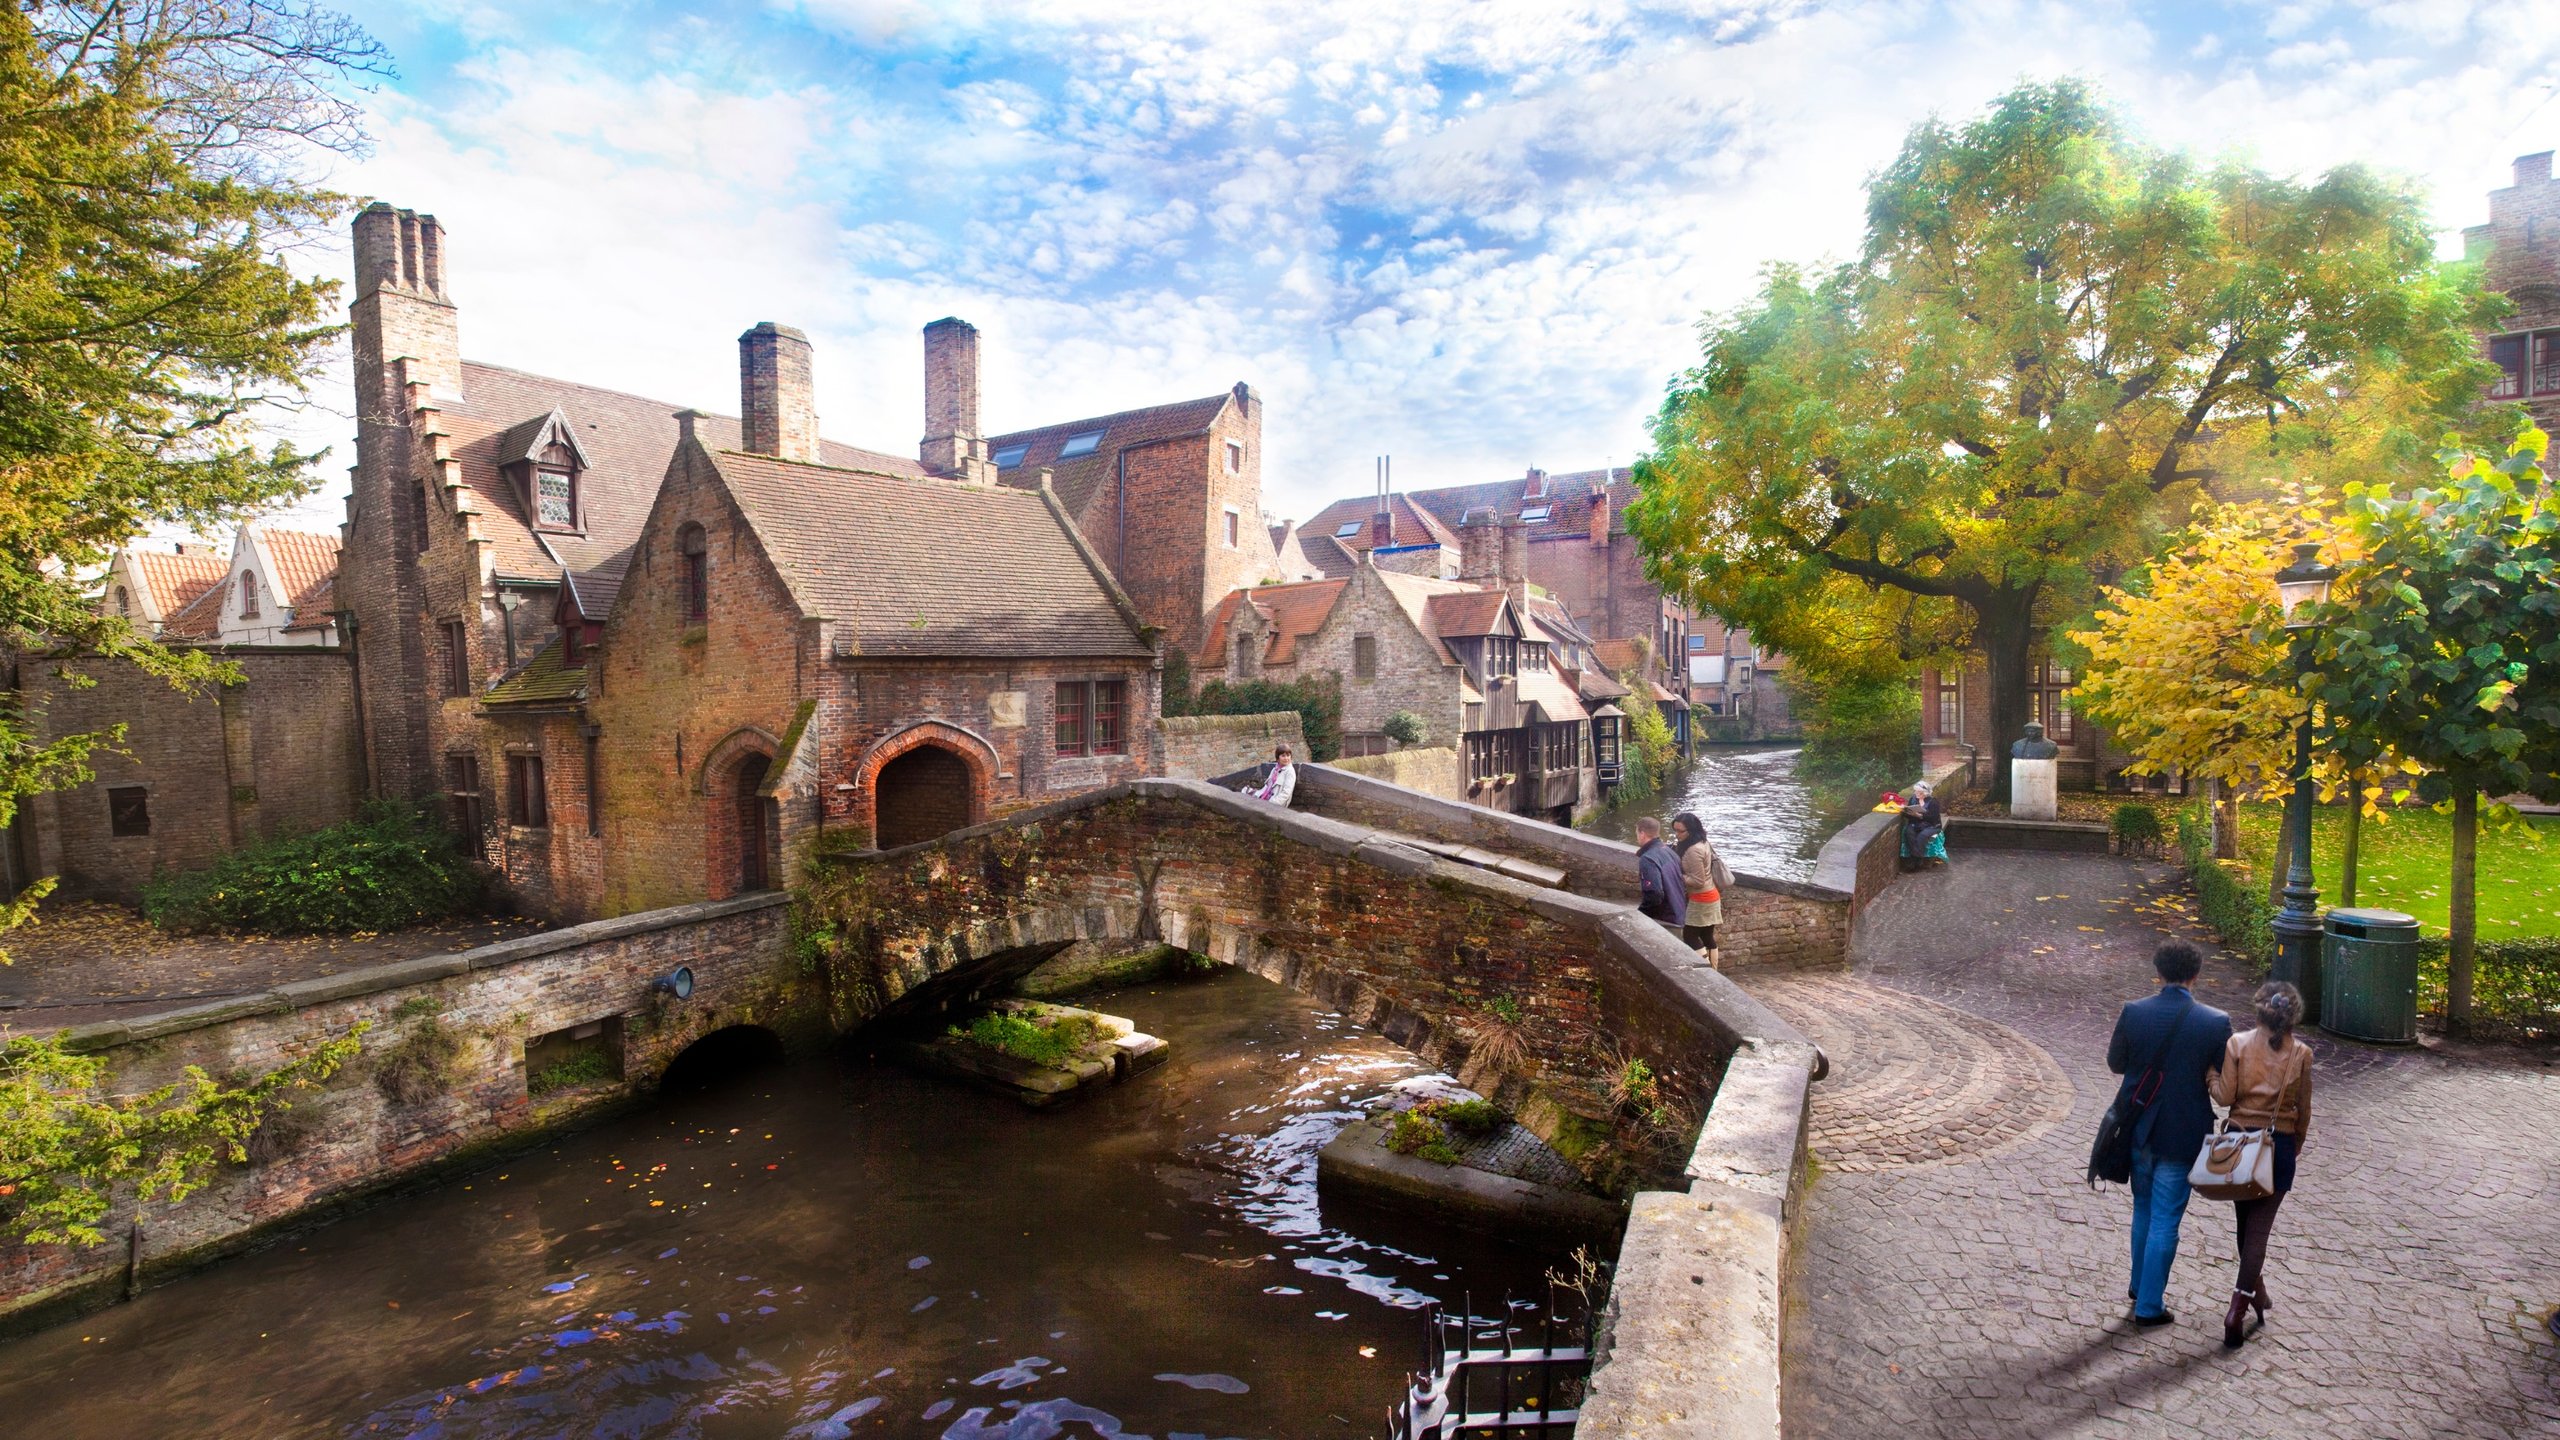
column 2233, row 1335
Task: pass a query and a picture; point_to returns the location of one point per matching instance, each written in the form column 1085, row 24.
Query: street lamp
column 2301, row 588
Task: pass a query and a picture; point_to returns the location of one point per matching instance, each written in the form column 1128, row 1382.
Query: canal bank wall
column 440, row 1084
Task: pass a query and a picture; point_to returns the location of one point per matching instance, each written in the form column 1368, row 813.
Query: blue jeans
column 2159, row 1206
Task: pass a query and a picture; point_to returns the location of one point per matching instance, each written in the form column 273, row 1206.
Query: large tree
column 147, row 188
column 2054, row 342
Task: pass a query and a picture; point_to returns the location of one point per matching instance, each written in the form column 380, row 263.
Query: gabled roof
column 1290, row 613
column 1414, row 594
column 304, row 564
column 1327, row 557
column 1077, row 480
column 1411, row 524
column 200, row 618
column 627, row 440
column 175, row 581
column 546, row 679
column 929, row 567
column 527, row 439
column 1623, row 657
column 592, row 592
column 312, row 609
column 1466, row 613
column 1568, row 498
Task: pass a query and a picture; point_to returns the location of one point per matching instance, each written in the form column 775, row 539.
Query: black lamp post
column 2301, row 587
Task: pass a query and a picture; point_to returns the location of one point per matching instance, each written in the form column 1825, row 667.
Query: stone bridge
column 1390, row 906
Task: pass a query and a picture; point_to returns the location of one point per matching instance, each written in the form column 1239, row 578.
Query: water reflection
column 1763, row 816
column 829, row 1250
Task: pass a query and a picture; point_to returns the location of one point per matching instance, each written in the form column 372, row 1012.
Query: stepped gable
column 626, row 441
column 929, row 567
column 1078, row 479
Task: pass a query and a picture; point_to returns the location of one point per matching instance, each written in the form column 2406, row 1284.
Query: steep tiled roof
column 1555, row 699
column 593, row 591
column 1568, row 498
column 627, row 440
column 1326, row 556
column 304, row 562
column 1292, row 612
column 928, row 567
column 176, row 580
column 1623, row 657
column 1079, row 479
column 311, row 608
column 1466, row 612
column 200, row 618
column 1414, row 594
column 1412, row 525
column 546, row 679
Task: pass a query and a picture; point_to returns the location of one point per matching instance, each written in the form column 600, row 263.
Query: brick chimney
column 1515, row 563
column 1382, row 525
column 1536, row 486
column 778, row 414
column 953, row 445
column 1601, row 517
column 2534, row 169
column 401, row 311
column 1480, row 547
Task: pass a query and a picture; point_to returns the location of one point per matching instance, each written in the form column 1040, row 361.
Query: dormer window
column 542, row 457
column 555, row 489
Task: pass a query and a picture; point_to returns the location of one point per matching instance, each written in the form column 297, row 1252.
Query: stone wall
column 1205, row 747
column 1434, row 770
column 277, row 754
column 351, row 1138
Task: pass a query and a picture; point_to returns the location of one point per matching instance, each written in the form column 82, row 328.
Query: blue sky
column 1473, row 234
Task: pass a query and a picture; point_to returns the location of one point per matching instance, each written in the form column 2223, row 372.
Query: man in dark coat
column 2164, row 1047
column 1660, row 893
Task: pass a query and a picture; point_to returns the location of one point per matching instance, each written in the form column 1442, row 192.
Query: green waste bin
column 2369, row 976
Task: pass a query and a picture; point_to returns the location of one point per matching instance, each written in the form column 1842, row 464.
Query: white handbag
column 2235, row 1165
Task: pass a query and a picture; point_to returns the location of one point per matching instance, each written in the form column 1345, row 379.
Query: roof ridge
column 1105, row 420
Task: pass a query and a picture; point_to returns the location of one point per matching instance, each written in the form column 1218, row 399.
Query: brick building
column 2519, row 255
column 1469, row 655
column 645, row 654
column 1577, row 550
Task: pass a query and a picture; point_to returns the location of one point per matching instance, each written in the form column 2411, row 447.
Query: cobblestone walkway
column 1981, row 1292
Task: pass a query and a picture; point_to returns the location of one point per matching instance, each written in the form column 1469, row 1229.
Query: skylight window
column 1011, row 455
column 1084, row 444
column 1348, row 528
column 1536, row 513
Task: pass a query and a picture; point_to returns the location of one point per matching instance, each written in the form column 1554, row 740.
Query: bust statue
column 2033, row 745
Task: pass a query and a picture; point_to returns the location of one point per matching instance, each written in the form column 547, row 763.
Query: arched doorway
column 921, row 795
column 755, row 863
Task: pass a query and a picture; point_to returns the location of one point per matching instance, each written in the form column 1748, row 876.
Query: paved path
column 1975, row 1288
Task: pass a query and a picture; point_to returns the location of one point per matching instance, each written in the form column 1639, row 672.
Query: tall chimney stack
column 1515, row 563
column 401, row 311
column 953, row 445
column 1601, row 518
column 779, row 415
column 1480, row 547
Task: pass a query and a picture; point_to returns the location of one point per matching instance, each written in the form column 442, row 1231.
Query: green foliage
column 1472, row 1117
column 1861, row 732
column 2053, row 337
column 2137, row 827
column 67, row 1150
column 390, row 867
column 146, row 313
column 425, row 1062
column 1504, row 1009
column 583, row 1068
column 1406, row 728
column 2515, row 988
column 1419, row 1133
column 1317, row 699
column 1051, row 1042
column 1633, row 1085
column 2228, row 892
column 1649, row 753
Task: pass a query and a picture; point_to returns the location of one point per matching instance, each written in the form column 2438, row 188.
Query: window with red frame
column 1071, row 736
column 1093, row 717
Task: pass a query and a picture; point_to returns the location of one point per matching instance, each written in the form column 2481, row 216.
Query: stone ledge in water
column 1502, row 1184
column 1117, row 1051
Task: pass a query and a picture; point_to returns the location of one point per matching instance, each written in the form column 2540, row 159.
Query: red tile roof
column 200, row 618
column 1077, row 481
column 926, row 566
column 304, row 563
column 1291, row 612
column 1567, row 498
column 175, row 581
column 1466, row 612
column 1411, row 525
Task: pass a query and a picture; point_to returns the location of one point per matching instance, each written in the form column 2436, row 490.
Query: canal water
column 837, row 1248
column 1762, row 815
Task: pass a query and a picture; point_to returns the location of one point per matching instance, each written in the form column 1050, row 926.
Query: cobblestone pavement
column 1983, row 1296
column 83, row 961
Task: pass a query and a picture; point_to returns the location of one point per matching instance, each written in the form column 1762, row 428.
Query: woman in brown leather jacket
column 2265, row 1079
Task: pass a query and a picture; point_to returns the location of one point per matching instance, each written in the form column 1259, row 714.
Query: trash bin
column 2369, row 976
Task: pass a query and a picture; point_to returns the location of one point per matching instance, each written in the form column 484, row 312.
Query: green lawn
column 2407, row 862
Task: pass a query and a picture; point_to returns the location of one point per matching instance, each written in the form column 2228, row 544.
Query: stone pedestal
column 2034, row 790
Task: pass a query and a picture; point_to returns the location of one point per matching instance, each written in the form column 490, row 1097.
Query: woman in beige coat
column 1699, row 869
column 2265, row 1079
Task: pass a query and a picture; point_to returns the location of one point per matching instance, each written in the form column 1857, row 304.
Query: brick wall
column 1434, row 770
column 2519, row 251
column 277, row 754
column 1204, row 747
column 1411, row 672
column 498, row 997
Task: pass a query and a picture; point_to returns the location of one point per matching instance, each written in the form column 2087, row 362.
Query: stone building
column 644, row 654
column 1466, row 655
column 2519, row 255
column 1576, row 548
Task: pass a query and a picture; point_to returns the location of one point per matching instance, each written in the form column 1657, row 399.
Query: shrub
column 425, row 1062
column 2137, row 827
column 388, row 868
column 2515, row 987
column 1406, row 728
column 1417, row 1132
column 1471, row 1117
column 1054, row 1043
column 2232, row 899
column 1317, row 699
column 584, row 1068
